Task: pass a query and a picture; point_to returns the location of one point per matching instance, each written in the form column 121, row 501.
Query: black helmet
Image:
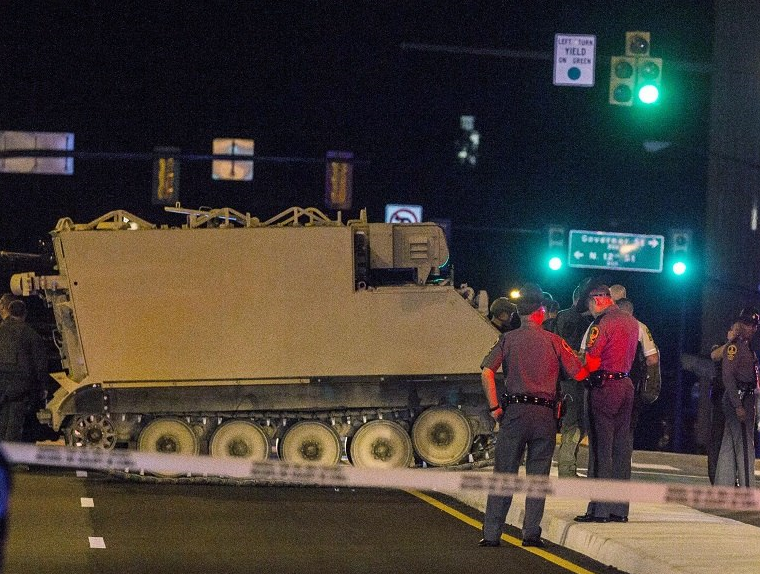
column 750, row 316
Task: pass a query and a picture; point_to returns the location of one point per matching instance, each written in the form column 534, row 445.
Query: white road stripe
column 655, row 467
column 97, row 542
column 639, row 465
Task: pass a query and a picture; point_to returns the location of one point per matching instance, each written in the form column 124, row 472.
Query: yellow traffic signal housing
column 622, row 80
column 635, row 77
column 637, row 44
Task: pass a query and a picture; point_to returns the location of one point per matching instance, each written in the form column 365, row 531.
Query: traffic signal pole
column 678, row 430
column 679, row 65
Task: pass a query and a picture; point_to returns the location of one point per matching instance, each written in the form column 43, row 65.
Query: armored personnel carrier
column 300, row 335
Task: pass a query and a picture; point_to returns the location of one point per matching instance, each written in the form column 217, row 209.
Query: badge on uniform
column 731, row 352
column 592, row 336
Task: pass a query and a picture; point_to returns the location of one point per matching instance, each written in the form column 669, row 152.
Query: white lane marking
column 639, row 465
column 655, row 466
column 698, row 476
column 97, row 542
column 87, row 502
column 81, row 474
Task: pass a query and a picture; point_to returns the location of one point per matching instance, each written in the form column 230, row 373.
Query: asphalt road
column 62, row 523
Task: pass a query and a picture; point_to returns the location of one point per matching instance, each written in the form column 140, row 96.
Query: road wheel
column 381, row 444
column 441, row 436
column 240, row 439
column 311, row 442
column 168, row 435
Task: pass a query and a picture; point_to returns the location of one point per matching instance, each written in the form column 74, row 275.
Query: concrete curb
column 658, row 539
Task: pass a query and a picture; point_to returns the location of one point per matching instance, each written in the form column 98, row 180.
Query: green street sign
column 615, row 251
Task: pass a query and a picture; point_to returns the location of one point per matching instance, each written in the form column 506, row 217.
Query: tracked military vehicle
column 300, row 336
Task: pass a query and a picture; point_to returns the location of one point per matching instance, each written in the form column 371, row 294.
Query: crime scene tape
column 446, row 481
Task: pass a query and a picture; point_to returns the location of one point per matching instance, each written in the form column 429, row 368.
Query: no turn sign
column 574, row 56
column 395, row 213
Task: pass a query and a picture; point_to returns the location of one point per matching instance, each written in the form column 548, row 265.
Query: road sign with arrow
column 621, row 251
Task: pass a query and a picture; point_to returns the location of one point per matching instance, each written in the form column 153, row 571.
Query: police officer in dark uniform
column 717, row 417
column 23, row 369
column 504, row 315
column 736, row 461
column 610, row 350
column 6, row 483
column 571, row 325
column 552, row 310
column 531, row 359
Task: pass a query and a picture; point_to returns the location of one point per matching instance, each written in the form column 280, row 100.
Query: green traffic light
column 679, row 267
column 649, row 93
column 555, row 263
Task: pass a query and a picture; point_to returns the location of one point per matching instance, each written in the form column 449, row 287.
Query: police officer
column 23, row 369
column 531, row 359
column 571, row 325
column 645, row 372
column 504, row 315
column 552, row 310
column 609, row 353
column 717, row 417
column 739, row 369
column 6, row 484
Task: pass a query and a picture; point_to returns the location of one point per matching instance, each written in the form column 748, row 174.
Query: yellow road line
column 561, row 562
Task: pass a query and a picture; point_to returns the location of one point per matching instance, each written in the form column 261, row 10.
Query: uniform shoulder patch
column 731, row 352
column 593, row 334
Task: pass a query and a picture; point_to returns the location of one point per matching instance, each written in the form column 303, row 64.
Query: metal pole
column 678, row 430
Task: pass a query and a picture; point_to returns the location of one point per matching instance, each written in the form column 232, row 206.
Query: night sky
column 302, row 78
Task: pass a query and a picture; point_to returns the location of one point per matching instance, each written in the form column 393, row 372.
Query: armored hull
column 299, row 335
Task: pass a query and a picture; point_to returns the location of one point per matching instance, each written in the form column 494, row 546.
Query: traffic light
column 636, row 77
column 680, row 246
column 648, row 76
column 339, row 179
column 622, row 80
column 165, row 176
column 556, row 236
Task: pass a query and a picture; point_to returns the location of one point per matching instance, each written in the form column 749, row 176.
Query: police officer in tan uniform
column 610, row 351
column 531, row 359
column 736, row 460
